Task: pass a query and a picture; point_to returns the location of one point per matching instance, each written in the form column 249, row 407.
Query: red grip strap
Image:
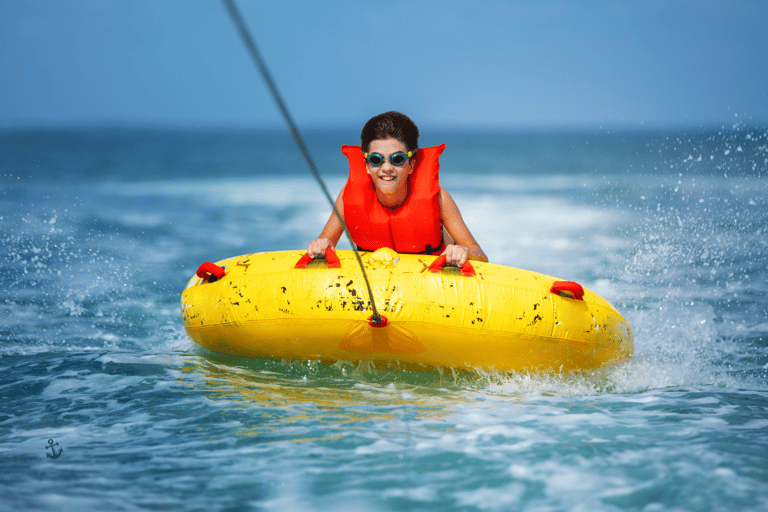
column 568, row 289
column 208, row 268
column 331, row 259
column 383, row 322
column 467, row 270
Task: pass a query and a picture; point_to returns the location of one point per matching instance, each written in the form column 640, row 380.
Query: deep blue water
column 100, row 229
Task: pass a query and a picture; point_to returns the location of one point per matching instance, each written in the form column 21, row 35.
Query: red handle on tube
column 568, row 289
column 331, row 259
column 208, row 270
column 467, row 270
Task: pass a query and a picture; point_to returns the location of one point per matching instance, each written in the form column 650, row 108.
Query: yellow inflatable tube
column 499, row 318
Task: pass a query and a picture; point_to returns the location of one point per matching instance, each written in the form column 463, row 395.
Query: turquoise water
column 101, row 229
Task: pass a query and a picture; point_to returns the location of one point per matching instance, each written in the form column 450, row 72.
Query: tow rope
column 376, row 320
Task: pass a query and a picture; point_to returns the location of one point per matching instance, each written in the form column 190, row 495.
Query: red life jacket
column 413, row 227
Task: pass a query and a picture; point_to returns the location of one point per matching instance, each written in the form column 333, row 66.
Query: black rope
column 254, row 51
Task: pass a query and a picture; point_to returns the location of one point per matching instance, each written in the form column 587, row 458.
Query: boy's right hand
column 317, row 247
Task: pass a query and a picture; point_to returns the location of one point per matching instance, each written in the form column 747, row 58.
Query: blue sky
column 444, row 63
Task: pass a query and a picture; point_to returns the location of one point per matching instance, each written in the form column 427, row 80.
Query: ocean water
column 101, row 228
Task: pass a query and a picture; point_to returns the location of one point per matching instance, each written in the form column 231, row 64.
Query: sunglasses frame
column 407, row 157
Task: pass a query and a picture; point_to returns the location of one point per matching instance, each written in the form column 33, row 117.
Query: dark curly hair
column 390, row 125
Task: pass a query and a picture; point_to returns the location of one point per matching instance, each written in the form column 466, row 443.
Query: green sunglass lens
column 375, row 159
column 398, row 159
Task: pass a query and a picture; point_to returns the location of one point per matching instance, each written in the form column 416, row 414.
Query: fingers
column 456, row 255
column 316, row 248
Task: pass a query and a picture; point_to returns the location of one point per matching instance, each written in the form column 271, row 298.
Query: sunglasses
column 397, row 159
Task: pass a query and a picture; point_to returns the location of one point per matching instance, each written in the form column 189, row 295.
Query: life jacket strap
column 428, row 249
